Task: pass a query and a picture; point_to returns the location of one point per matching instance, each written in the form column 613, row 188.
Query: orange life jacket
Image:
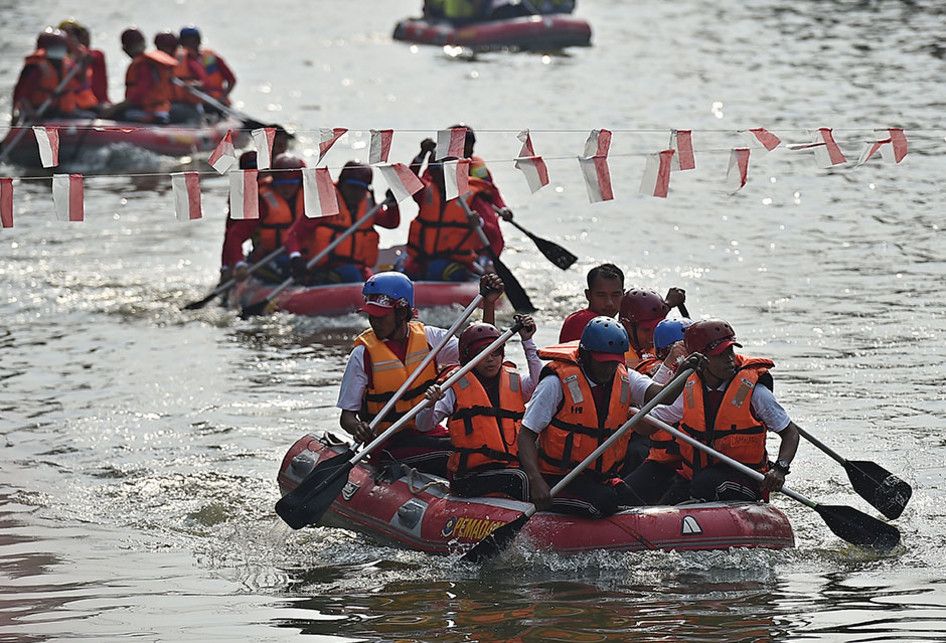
column 185, row 71
column 361, row 247
column 388, row 373
column 49, row 79
column 576, row 430
column 442, row 230
column 161, row 67
column 275, row 220
column 734, row 430
column 214, row 82
column 84, row 95
column 481, row 432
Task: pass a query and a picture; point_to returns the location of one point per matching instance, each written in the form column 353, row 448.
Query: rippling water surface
column 140, row 443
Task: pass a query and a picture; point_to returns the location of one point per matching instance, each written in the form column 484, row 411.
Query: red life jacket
column 49, row 79
column 161, row 68
column 725, row 422
column 442, row 230
column 215, row 83
column 483, row 433
column 275, row 219
column 360, row 248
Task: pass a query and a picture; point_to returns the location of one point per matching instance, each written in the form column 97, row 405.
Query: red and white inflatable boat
column 547, row 32
column 77, row 135
column 415, row 511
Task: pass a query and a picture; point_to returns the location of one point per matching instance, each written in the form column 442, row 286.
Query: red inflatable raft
column 76, row 135
column 341, row 299
column 415, row 511
column 548, row 32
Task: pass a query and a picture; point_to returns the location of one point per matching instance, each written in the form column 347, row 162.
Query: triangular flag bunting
column 530, row 164
column 451, row 142
column 763, row 139
column 681, row 142
column 656, row 179
column 401, row 180
column 738, row 172
column 47, row 140
column 263, row 139
column 827, row 152
column 380, row 145
column 186, row 189
column 68, row 197
column 244, row 194
column 6, row 202
column 319, row 194
column 598, row 143
column 597, row 177
column 898, row 144
column 456, row 176
column 327, row 138
column 224, row 156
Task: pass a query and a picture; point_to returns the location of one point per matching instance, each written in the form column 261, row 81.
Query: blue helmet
column 388, row 290
column 190, row 32
column 605, row 335
column 670, row 331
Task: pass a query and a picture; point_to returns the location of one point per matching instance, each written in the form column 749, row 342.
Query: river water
column 140, row 444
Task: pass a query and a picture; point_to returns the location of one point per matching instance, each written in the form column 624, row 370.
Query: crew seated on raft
column 469, row 11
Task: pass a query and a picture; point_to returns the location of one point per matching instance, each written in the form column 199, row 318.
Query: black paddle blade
column 200, row 303
column 307, row 503
column 514, row 290
column 496, row 542
column 254, row 309
column 885, row 491
column 858, row 528
column 554, row 252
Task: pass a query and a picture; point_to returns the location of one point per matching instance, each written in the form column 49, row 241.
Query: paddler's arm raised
column 427, row 147
column 491, row 287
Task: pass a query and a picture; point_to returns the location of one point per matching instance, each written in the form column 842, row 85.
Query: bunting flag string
column 263, row 139
column 68, row 189
column 318, row 193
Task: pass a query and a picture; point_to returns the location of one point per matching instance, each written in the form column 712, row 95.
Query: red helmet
column 710, row 337
column 52, row 38
column 132, row 36
column 287, row 161
column 639, row 306
column 166, row 41
column 476, row 336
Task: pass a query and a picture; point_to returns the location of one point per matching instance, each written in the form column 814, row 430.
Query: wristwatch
column 782, row 467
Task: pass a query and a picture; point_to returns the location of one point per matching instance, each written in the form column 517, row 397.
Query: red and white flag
column 380, row 145
column 827, row 151
column 47, row 140
column 681, row 142
column 327, row 138
column 898, row 144
column 451, row 142
column 68, row 197
column 456, row 175
column 763, row 139
column 224, row 156
column 263, row 139
column 6, row 202
column 738, row 172
column 893, row 148
column 401, row 180
column 656, row 179
column 244, row 194
column 597, row 177
column 186, row 189
column 319, row 193
column 598, row 143
column 530, row 164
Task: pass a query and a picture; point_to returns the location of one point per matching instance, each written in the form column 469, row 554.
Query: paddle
column 259, row 307
column 885, row 491
column 514, row 290
column 311, row 499
column 500, row 538
column 552, row 251
column 249, row 121
column 23, row 129
column 230, row 283
column 846, row 522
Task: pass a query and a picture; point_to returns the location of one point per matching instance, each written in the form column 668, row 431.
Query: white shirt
column 351, row 391
column 548, row 396
column 764, row 406
column 444, row 407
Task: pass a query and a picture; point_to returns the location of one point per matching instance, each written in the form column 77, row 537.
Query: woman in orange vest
column 585, row 394
column 148, row 87
column 353, row 259
column 385, row 355
column 725, row 407
column 442, row 243
column 43, row 71
column 484, row 411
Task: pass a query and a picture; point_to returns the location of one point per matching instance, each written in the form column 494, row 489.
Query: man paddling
column 728, row 405
column 43, row 71
column 148, row 86
column 484, row 413
column 384, row 357
column 584, row 396
column 355, row 257
column 218, row 80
